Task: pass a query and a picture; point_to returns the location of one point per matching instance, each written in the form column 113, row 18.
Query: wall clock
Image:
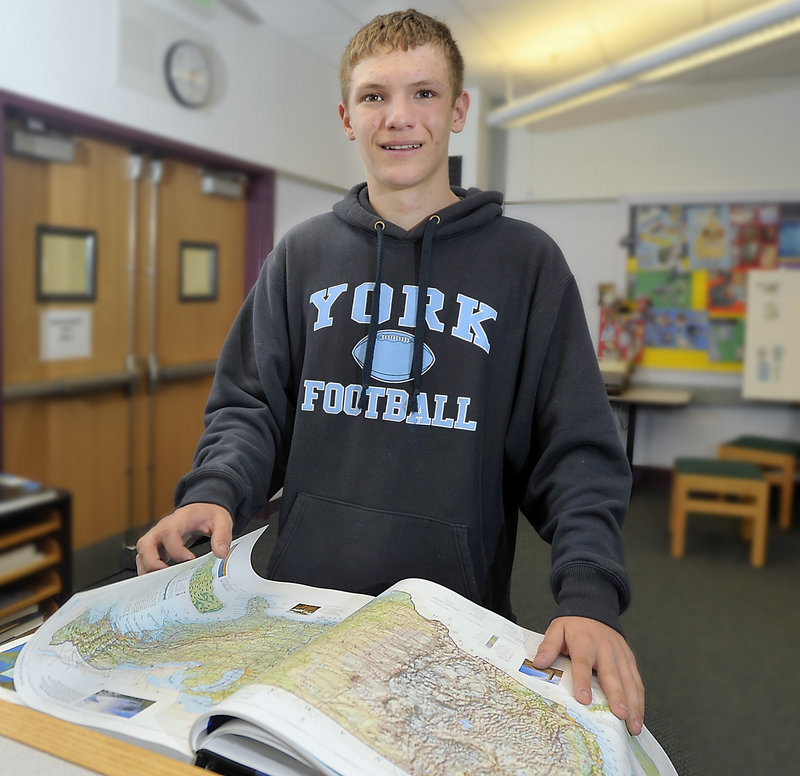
column 187, row 68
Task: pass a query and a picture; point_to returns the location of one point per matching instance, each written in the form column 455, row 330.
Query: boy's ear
column 345, row 117
column 460, row 109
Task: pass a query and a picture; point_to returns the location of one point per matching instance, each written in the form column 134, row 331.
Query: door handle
column 128, row 379
column 176, row 372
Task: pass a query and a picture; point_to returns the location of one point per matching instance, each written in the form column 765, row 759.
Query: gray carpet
column 716, row 640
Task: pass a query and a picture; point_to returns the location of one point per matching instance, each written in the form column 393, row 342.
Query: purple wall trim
column 260, row 189
column 260, row 226
column 2, row 189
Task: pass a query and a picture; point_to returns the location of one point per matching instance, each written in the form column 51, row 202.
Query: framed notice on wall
column 198, row 272
column 772, row 345
column 66, row 264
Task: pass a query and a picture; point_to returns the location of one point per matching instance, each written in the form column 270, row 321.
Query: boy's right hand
column 168, row 538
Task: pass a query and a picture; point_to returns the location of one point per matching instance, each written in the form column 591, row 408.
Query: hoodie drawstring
column 422, row 304
column 374, row 317
column 419, row 323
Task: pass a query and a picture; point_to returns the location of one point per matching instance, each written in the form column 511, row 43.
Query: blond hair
column 401, row 30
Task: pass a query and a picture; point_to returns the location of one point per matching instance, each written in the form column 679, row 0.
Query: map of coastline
column 397, row 682
column 143, row 658
column 211, row 662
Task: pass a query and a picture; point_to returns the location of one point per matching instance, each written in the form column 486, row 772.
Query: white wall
column 297, row 200
column 730, row 139
column 473, row 142
column 733, row 142
column 588, row 233
column 273, row 104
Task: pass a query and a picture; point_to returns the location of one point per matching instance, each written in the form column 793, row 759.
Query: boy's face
column 401, row 111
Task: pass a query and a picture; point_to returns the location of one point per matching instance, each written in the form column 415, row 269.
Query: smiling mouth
column 404, row 147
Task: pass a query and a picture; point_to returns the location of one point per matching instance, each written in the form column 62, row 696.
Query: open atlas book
column 207, row 661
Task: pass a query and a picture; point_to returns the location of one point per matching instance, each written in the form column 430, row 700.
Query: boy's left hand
column 591, row 645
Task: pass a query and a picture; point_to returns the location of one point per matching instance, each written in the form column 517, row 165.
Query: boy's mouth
column 402, row 147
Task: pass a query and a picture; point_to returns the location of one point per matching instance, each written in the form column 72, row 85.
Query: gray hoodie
column 407, row 448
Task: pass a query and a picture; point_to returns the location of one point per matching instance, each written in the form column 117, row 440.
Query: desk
column 25, row 734
column 649, row 396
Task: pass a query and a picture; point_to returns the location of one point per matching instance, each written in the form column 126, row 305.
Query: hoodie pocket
column 334, row 544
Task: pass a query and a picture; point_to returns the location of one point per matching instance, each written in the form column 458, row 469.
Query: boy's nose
column 400, row 113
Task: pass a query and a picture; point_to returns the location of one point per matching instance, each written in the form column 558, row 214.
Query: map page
column 423, row 681
column 143, row 658
column 9, row 652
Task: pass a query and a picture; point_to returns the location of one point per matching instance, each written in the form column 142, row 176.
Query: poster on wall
column 659, row 236
column 755, row 236
column 708, row 237
column 691, row 263
column 789, row 237
column 772, row 347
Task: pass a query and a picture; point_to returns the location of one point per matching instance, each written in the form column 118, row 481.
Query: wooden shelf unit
column 45, row 521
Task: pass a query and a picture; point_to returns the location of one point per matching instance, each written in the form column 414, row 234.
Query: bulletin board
column 688, row 267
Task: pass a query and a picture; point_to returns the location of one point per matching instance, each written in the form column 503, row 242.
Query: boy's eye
column 426, row 94
column 372, row 98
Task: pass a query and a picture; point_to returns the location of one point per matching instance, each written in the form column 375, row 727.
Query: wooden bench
column 777, row 458
column 720, row 487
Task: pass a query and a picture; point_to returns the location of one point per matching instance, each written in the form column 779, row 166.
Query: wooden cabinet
column 35, row 552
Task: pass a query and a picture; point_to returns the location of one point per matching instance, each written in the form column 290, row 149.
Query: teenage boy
column 413, row 369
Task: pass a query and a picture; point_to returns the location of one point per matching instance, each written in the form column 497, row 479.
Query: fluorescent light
column 750, row 41
column 738, row 33
column 570, row 103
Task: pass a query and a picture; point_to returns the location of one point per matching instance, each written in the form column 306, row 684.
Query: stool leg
column 677, row 497
column 758, row 549
column 786, row 492
column 677, row 519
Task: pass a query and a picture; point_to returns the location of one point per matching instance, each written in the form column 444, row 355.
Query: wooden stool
column 720, row 487
column 777, row 458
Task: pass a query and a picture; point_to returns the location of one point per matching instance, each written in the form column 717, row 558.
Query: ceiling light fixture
column 739, row 33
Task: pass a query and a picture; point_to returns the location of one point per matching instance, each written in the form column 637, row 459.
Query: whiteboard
column 772, row 338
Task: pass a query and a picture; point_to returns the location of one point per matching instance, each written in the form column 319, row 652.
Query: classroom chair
column 778, row 458
column 720, row 487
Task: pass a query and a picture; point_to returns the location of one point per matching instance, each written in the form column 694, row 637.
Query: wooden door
column 106, row 376
column 70, row 440
column 186, row 315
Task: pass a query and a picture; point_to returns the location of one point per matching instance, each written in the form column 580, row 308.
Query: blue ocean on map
column 195, row 701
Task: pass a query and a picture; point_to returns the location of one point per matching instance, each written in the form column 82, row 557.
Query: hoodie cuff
column 583, row 590
column 209, row 488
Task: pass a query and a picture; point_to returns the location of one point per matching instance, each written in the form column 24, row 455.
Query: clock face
column 188, row 72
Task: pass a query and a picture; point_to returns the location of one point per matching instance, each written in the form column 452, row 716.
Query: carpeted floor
column 716, row 640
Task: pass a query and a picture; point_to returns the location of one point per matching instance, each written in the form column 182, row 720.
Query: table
column 32, row 742
column 647, row 396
